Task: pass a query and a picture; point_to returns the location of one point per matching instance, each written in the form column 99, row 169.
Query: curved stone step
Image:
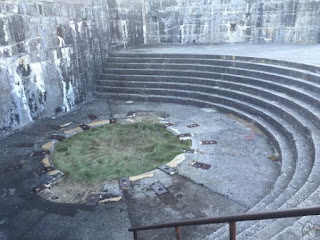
column 221, row 78
column 201, row 71
column 145, row 63
column 303, row 108
column 285, row 87
column 295, row 65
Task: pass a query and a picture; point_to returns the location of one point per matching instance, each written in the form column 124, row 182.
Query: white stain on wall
column 61, row 41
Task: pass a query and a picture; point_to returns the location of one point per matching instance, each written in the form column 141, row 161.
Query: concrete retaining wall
column 126, row 23
column 50, row 54
column 231, row 21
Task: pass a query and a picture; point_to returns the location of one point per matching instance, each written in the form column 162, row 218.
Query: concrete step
column 221, row 80
column 206, row 72
column 273, row 92
column 303, row 108
column 280, row 63
column 146, row 63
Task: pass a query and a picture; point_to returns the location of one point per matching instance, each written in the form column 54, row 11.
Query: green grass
column 117, row 150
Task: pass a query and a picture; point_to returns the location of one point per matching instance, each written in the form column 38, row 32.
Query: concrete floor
column 307, row 54
column 241, row 174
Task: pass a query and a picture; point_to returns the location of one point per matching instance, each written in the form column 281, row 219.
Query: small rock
column 111, row 190
column 129, row 102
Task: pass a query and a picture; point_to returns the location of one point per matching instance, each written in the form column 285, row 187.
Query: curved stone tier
column 281, row 98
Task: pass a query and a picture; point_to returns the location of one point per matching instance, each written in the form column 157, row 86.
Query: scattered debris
column 274, row 158
column 108, row 200
column 13, row 168
column 193, row 125
column 167, row 169
column 40, row 153
column 184, row 135
column 92, row 200
column 159, row 188
column 92, row 116
column 142, row 176
column 26, row 145
column 209, row 142
column 124, row 183
column 65, row 125
column 112, row 120
column 84, row 127
column 199, row 165
column 168, row 124
column 58, row 137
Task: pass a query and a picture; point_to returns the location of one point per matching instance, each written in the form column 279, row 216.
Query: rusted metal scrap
column 184, row 135
column 92, row 200
column 84, row 126
column 159, row 188
column 40, row 153
column 124, row 183
column 167, row 169
column 92, row 116
column 209, row 142
column 193, row 125
column 168, row 124
column 112, row 120
column 200, row 165
column 57, row 137
column 188, row 150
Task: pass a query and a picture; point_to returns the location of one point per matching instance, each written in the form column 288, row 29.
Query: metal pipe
column 135, row 235
column 235, row 218
column 178, row 233
column 232, row 230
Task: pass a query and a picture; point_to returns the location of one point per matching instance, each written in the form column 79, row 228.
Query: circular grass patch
column 117, row 150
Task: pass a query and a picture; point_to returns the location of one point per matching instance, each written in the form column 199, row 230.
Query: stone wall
column 126, row 23
column 229, row 21
column 51, row 51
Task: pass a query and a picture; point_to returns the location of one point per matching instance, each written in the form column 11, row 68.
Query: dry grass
column 117, row 150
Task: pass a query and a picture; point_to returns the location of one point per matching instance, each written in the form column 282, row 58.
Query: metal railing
column 232, row 220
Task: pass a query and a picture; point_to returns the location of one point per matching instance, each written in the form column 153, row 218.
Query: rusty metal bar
column 235, row 218
column 232, row 230
column 135, row 235
column 178, row 233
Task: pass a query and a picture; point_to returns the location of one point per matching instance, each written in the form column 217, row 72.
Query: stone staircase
column 281, row 98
